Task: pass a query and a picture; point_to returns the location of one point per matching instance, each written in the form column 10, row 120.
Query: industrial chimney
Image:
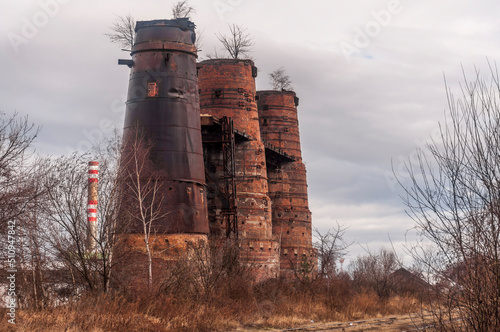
column 163, row 107
column 287, row 182
column 227, row 89
column 93, row 179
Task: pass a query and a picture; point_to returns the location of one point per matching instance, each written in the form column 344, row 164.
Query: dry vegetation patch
column 286, row 307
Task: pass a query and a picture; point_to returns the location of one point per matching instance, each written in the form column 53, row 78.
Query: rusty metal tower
column 163, row 105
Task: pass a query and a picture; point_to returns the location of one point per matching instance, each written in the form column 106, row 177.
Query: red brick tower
column 287, row 182
column 227, row 88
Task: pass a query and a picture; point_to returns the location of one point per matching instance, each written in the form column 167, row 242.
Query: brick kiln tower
column 287, row 181
column 163, row 105
column 227, row 89
column 234, row 171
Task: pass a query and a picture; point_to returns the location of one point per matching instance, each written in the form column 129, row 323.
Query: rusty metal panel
column 163, row 103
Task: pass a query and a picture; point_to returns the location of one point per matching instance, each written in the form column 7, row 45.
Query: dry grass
column 227, row 303
column 161, row 312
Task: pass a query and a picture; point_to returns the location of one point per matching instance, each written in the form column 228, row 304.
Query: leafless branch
column 144, row 182
column 123, row 31
column 374, row 270
column 279, row 80
column 182, row 9
column 16, row 185
column 331, row 247
column 238, row 43
column 453, row 196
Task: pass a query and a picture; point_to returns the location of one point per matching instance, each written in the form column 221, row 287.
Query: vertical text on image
column 11, row 271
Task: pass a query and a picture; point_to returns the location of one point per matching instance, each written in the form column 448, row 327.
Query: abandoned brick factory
column 230, row 154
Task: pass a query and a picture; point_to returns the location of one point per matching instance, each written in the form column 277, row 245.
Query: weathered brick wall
column 262, row 256
column 279, row 124
column 131, row 269
column 288, row 182
column 227, row 88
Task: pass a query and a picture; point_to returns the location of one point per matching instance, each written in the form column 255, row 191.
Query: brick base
column 131, row 269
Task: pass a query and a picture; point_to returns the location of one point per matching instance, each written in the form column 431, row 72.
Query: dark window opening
column 218, row 93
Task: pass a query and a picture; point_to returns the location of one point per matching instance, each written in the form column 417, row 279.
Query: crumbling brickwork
column 132, row 261
column 235, row 170
column 287, row 181
column 227, row 88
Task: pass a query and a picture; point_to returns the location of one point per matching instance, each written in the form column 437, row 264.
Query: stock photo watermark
column 222, row 7
column 32, row 24
column 11, row 298
column 363, row 36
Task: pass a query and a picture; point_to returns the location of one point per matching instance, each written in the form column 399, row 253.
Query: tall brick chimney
column 227, row 88
column 287, row 183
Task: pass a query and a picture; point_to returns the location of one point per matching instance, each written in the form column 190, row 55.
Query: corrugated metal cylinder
column 163, row 104
column 287, row 183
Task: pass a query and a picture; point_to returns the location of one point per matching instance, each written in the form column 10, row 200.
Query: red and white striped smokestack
column 92, row 205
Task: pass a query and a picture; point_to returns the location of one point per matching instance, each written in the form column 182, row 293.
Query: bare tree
column 143, row 181
column 454, row 197
column 16, row 139
column 110, row 204
column 19, row 191
column 373, row 271
column 61, row 224
column 207, row 270
column 237, row 43
column 279, row 80
column 31, row 253
column 65, row 217
column 123, row 31
column 182, row 9
column 331, row 247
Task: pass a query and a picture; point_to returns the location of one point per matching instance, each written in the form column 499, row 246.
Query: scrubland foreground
column 233, row 304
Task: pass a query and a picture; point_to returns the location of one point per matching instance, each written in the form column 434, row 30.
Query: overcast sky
column 369, row 75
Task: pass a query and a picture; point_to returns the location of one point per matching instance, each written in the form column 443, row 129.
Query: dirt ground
column 388, row 324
